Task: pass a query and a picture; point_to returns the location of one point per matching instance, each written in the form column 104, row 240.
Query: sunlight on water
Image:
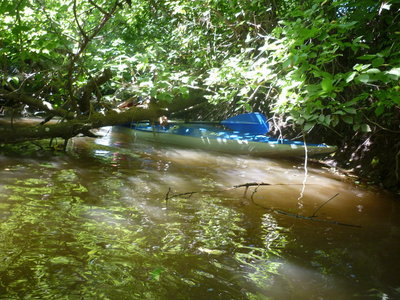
column 120, row 219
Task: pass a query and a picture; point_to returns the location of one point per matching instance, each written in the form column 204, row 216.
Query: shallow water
column 121, row 219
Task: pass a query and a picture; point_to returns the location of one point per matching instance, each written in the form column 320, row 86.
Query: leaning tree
column 72, row 61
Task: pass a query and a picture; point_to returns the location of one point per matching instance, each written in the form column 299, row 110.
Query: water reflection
column 97, row 224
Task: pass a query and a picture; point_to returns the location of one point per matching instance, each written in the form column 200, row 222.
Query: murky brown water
column 104, row 222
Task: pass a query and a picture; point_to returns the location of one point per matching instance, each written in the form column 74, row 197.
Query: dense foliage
column 328, row 67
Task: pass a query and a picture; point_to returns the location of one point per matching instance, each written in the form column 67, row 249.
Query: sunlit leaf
column 327, row 85
column 361, row 67
column 351, row 76
column 394, row 72
column 364, row 78
column 373, row 71
column 365, row 128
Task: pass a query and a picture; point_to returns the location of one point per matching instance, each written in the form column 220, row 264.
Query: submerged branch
column 257, row 185
column 314, row 219
column 250, row 184
column 315, row 212
column 187, row 195
column 246, row 185
column 167, row 197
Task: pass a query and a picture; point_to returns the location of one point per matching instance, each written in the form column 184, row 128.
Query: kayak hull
column 234, row 145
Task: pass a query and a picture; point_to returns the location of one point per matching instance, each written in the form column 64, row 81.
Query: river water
column 117, row 218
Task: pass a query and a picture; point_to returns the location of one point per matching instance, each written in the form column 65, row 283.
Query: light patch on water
column 298, row 282
column 106, row 138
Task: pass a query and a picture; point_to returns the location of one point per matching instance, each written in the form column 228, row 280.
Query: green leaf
column 373, row 71
column 396, row 99
column 326, row 84
column 364, row 78
column 300, row 121
column 379, row 110
column 13, row 79
column 339, row 112
column 335, row 121
column 348, row 119
column 375, row 161
column 308, row 126
column 365, row 128
column 351, row 76
column 347, row 25
column 327, row 120
column 360, row 67
column 350, row 110
column 378, row 62
column 394, row 71
column 367, row 57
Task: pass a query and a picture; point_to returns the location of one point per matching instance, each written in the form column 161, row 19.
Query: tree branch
column 91, row 86
column 98, row 7
column 73, row 127
column 83, row 45
column 18, row 97
column 83, row 33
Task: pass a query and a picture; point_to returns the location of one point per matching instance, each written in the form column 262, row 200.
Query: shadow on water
column 102, row 223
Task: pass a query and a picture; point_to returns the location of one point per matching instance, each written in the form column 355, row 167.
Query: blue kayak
column 216, row 137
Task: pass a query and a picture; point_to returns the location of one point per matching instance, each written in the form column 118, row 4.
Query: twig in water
column 250, row 184
column 189, row 194
column 247, row 185
column 315, row 220
column 315, row 212
column 245, row 191
column 167, row 197
column 252, row 195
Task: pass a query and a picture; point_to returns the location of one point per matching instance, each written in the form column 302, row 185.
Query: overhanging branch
column 17, row 97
